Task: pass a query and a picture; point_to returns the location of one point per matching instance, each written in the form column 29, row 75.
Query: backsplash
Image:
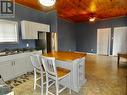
column 21, row 44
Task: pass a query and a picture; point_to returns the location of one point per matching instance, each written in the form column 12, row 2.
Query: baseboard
column 102, row 55
column 91, row 53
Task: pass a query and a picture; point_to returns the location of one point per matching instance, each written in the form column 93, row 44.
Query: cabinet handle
column 12, row 63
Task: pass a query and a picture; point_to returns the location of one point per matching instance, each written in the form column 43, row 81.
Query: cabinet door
column 6, row 70
column 43, row 27
column 29, row 30
column 33, row 30
column 25, row 30
column 81, row 74
column 29, row 64
column 20, row 66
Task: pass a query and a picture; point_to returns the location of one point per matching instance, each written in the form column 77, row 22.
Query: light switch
column 27, row 45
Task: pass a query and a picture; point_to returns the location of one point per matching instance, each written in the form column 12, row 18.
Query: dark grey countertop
column 16, row 51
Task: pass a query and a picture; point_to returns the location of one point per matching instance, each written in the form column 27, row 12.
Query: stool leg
column 35, row 76
column 41, row 82
column 118, row 60
column 70, row 83
column 47, row 84
column 57, row 87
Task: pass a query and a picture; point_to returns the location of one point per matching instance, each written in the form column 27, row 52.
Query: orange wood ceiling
column 82, row 10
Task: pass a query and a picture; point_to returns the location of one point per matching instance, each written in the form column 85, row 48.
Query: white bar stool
column 38, row 68
column 54, row 73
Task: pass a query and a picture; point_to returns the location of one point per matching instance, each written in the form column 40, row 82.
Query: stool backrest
column 36, row 61
column 49, row 65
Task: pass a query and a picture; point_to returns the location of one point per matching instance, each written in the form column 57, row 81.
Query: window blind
column 8, row 31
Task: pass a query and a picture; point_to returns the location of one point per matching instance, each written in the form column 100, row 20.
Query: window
column 8, row 31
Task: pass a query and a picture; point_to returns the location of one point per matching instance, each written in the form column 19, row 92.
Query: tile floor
column 103, row 78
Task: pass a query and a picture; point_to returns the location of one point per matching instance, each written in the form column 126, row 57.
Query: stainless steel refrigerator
column 47, row 41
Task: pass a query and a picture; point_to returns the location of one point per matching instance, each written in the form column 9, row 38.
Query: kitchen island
column 74, row 61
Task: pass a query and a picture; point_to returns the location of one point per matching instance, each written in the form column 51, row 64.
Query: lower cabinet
column 77, row 68
column 12, row 66
column 81, row 74
column 29, row 64
column 20, row 66
column 7, row 70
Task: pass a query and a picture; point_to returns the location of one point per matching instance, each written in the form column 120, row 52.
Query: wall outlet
column 27, row 45
column 69, row 49
column 91, row 49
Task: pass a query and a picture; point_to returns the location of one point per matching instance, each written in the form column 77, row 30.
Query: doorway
column 103, row 41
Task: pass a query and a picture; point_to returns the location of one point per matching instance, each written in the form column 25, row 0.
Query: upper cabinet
column 30, row 29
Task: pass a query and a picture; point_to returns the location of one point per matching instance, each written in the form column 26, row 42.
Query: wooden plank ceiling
column 82, row 10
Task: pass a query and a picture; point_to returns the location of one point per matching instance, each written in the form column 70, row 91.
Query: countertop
column 18, row 55
column 65, row 55
column 12, row 52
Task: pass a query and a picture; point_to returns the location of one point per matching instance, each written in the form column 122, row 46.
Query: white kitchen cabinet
column 80, row 74
column 30, row 29
column 20, row 66
column 29, row 65
column 7, row 70
column 43, row 27
column 77, row 68
column 12, row 66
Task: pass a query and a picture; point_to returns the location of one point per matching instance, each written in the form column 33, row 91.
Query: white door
column 120, row 40
column 103, row 41
column 54, row 42
column 28, row 64
column 7, row 70
column 20, row 66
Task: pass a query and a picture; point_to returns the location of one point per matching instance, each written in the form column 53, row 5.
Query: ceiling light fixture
column 47, row 3
column 92, row 19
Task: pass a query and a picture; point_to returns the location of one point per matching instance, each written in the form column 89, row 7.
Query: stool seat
column 62, row 72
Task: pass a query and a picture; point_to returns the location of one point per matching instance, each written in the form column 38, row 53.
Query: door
column 20, row 66
column 54, row 43
column 120, row 40
column 48, row 38
column 103, row 41
column 51, row 41
column 41, row 43
column 7, row 70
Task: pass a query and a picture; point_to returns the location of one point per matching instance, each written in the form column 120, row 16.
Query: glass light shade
column 92, row 19
column 47, row 3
